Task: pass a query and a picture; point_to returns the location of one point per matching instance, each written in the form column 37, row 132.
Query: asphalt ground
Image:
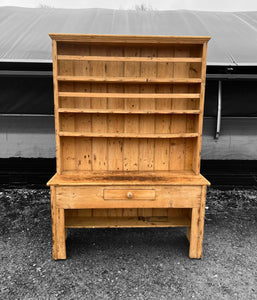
column 128, row 263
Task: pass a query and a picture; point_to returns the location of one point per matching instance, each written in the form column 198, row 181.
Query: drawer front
column 129, row 194
column 118, row 197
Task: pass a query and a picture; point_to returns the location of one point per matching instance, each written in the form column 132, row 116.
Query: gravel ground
column 128, row 263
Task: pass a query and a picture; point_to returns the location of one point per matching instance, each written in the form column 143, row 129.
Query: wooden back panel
column 128, row 103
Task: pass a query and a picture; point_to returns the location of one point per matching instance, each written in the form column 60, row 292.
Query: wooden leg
column 193, row 250
column 58, row 229
column 188, row 233
column 197, row 227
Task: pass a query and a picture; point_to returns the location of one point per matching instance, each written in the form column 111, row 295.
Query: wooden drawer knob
column 129, row 195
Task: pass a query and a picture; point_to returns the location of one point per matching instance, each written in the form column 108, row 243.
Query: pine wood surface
column 125, row 178
column 126, row 222
column 123, row 39
column 150, row 197
column 121, row 111
column 128, row 95
column 128, row 79
column 128, row 121
column 129, row 59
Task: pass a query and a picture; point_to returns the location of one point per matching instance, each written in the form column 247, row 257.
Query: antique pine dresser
column 128, row 124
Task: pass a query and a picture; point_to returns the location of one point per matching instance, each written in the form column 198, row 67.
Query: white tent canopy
column 24, row 31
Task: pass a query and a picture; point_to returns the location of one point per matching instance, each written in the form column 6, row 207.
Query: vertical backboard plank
column 99, row 121
column 163, row 122
column 68, row 156
column 83, row 146
column 115, row 122
column 181, row 70
column 131, row 122
column 147, row 122
column 68, row 153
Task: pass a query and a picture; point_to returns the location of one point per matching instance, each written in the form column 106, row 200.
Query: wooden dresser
column 128, row 123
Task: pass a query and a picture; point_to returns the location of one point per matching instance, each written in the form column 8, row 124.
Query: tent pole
column 219, row 110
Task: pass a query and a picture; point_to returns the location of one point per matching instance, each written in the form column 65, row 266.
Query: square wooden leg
column 188, row 233
column 195, row 233
column 58, row 229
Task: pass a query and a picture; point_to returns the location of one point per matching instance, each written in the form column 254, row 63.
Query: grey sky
column 207, row 5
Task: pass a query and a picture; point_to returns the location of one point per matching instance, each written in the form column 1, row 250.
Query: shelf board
column 128, row 135
column 129, row 59
column 128, row 79
column 103, row 222
column 122, row 111
column 129, row 95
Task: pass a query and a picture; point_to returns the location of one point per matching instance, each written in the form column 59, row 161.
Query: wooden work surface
column 129, row 178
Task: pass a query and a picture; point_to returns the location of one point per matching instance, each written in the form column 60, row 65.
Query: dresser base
column 79, row 203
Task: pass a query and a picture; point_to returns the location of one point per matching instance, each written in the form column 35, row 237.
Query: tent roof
column 24, row 31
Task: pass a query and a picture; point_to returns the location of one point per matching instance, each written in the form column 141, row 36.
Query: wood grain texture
column 197, row 227
column 177, row 178
column 129, row 95
column 128, row 118
column 115, row 222
column 115, row 122
column 178, row 153
column 197, row 158
column 118, row 79
column 58, row 228
column 147, row 122
column 56, row 106
column 83, row 148
column 129, row 111
column 94, row 197
column 99, row 122
column 163, row 123
column 201, row 222
column 124, row 39
column 165, row 59
column 141, row 135
column 131, row 123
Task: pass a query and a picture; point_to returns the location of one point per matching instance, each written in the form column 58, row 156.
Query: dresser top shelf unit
column 128, row 103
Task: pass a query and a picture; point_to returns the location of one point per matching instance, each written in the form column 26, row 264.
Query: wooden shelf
column 129, row 95
column 102, row 222
column 128, row 79
column 130, row 59
column 129, row 135
column 122, row 111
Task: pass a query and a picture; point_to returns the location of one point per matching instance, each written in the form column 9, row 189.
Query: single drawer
column 129, row 194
